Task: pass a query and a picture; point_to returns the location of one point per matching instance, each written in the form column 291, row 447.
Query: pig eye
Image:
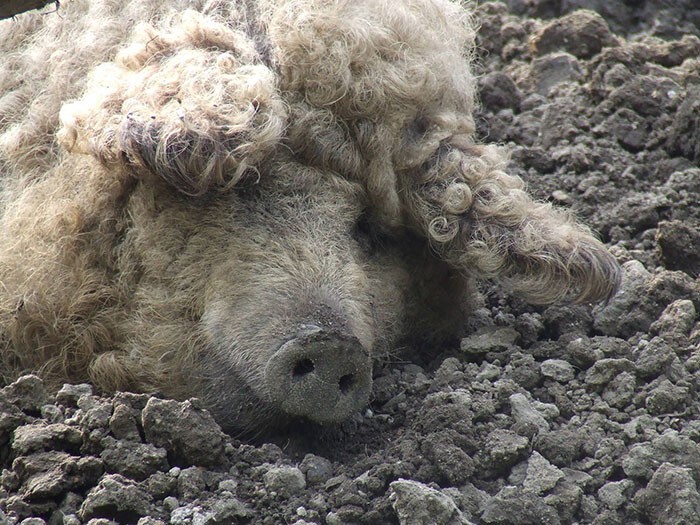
column 417, row 128
column 421, row 125
column 365, row 235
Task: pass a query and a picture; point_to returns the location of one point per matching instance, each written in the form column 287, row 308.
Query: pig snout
column 322, row 375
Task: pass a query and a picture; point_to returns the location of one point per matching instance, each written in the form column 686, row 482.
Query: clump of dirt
column 559, row 415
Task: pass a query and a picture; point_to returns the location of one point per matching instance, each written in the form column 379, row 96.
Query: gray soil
column 559, row 415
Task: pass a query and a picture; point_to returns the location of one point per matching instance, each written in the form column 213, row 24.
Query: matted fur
column 222, row 173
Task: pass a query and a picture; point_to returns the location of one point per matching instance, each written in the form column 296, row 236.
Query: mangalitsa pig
column 247, row 202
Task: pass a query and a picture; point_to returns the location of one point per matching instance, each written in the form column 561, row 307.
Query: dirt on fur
column 558, row 415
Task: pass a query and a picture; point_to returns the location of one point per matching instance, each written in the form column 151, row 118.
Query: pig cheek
column 237, row 350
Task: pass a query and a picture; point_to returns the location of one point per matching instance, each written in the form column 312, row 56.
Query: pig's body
column 250, row 202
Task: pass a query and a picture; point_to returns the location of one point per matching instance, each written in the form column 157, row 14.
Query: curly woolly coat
column 179, row 185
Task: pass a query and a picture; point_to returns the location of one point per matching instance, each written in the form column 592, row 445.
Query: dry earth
column 552, row 416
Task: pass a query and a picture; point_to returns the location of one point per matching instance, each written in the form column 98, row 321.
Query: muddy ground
column 556, row 415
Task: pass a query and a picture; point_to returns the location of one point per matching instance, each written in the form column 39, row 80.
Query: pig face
column 302, row 300
column 291, row 312
column 270, row 302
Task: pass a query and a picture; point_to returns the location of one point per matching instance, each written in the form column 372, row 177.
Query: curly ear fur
column 372, row 57
column 357, row 71
column 481, row 221
column 189, row 104
column 385, row 96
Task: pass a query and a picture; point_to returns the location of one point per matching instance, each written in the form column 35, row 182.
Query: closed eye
column 418, row 128
column 367, row 235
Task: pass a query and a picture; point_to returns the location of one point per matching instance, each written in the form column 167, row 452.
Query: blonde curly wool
column 363, row 72
column 380, row 99
column 480, row 219
column 184, row 182
column 188, row 103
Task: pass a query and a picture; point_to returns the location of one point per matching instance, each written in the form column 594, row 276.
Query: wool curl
column 368, row 58
column 480, row 220
column 188, row 102
column 379, row 98
column 362, row 72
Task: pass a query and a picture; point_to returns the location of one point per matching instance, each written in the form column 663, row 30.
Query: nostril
column 302, row 368
column 322, row 375
column 346, row 383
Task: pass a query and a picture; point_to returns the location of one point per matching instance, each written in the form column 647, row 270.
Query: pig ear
column 189, row 104
column 481, row 221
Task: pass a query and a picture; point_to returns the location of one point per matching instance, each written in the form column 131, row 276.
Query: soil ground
column 559, row 415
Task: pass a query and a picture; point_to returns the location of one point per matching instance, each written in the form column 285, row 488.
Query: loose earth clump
column 558, row 415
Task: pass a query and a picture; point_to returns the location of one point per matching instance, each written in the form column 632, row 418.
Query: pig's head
column 271, row 218
column 257, row 282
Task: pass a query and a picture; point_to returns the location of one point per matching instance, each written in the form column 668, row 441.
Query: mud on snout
column 323, row 375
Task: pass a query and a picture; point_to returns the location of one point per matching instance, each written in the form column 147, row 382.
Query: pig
column 250, row 202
